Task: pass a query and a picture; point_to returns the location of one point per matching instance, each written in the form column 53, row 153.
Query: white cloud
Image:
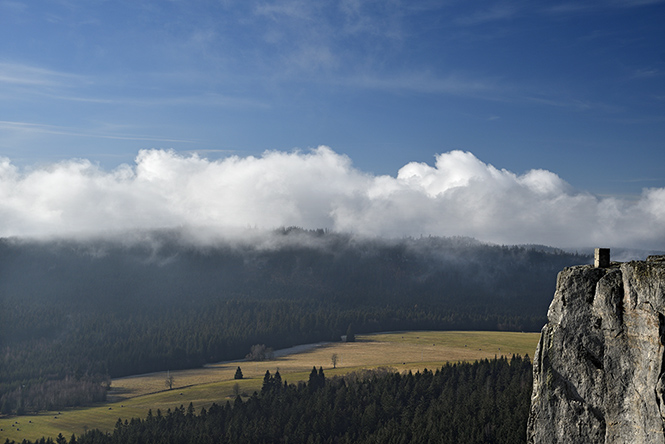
column 459, row 195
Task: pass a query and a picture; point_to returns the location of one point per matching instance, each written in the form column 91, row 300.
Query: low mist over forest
column 157, row 268
column 76, row 313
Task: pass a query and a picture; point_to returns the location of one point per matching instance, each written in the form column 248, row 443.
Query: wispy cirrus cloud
column 494, row 12
column 510, row 9
column 425, row 82
column 206, row 99
column 566, row 7
column 646, row 73
column 30, row 75
column 40, row 128
column 495, row 89
column 293, row 9
column 23, row 81
column 13, row 6
column 634, row 3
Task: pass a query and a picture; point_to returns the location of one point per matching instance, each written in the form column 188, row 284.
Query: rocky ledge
column 599, row 371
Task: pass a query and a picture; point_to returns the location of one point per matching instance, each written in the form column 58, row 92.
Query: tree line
column 48, row 375
column 74, row 314
column 482, row 402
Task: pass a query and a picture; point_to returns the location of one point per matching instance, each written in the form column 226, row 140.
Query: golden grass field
column 133, row 396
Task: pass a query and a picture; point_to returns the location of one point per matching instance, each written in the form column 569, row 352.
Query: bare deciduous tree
column 260, row 352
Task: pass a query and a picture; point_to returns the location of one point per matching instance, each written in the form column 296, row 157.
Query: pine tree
column 238, row 374
column 313, row 379
column 317, row 380
column 267, row 382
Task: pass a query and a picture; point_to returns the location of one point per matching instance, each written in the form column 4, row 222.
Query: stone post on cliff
column 601, row 258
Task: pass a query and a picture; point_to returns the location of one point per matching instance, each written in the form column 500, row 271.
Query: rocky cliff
column 599, row 370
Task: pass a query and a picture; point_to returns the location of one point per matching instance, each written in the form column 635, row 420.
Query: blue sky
column 574, row 88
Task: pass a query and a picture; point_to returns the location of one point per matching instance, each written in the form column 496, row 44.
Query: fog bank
column 458, row 196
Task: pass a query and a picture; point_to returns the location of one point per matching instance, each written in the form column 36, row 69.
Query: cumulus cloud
column 458, row 195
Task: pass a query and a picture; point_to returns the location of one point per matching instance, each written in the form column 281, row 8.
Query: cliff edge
column 599, row 371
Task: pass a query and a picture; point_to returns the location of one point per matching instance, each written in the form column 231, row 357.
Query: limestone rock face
column 599, row 375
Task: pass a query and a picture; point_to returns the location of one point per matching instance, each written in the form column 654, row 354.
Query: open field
column 133, row 396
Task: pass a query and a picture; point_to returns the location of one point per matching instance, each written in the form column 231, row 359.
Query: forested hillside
column 75, row 313
column 487, row 401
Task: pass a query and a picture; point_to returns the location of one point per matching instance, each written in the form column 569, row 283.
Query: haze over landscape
column 510, row 122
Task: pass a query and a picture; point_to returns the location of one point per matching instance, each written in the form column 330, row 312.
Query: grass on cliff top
column 133, row 396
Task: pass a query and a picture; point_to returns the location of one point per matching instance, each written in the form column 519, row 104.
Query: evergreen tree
column 238, row 374
column 313, row 382
column 267, row 383
column 486, row 401
column 317, row 379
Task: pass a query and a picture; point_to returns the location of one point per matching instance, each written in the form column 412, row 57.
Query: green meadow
column 133, row 396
